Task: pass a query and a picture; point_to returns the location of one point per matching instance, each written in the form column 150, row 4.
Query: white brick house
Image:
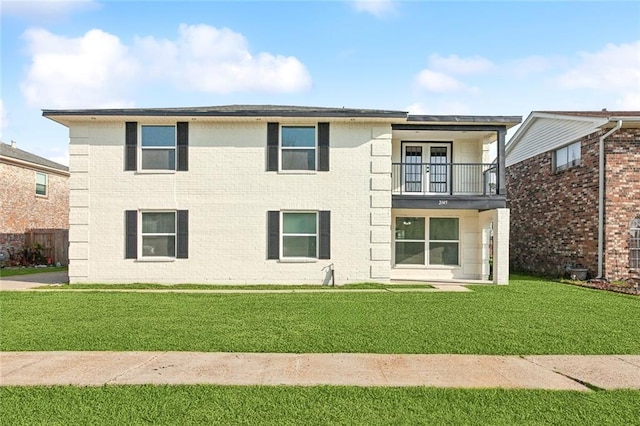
column 277, row 194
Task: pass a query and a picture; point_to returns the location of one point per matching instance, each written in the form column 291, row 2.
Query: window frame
column 142, row 234
column 426, row 244
column 142, row 148
column 282, row 235
column 429, row 241
column 46, row 184
column 634, row 244
column 568, row 164
column 282, row 148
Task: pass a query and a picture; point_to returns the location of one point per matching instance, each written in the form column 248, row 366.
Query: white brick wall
column 228, row 193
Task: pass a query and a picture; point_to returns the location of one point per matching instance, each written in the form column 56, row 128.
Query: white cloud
column 215, row 60
column 454, row 64
column 614, row 69
column 524, row 67
column 45, row 9
column 3, row 117
column 98, row 70
column 437, row 82
column 92, row 70
column 377, row 8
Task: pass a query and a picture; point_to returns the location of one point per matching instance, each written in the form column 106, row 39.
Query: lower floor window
column 159, row 234
column 634, row 244
column 413, row 248
column 299, row 235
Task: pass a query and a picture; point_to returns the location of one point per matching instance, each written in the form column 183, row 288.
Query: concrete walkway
column 32, row 282
column 460, row 371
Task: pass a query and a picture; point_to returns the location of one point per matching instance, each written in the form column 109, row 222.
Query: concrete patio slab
column 28, row 282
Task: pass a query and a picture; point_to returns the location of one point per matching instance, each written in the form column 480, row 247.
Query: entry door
column 426, row 168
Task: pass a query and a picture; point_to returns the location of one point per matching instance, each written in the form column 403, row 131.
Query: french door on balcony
column 426, row 168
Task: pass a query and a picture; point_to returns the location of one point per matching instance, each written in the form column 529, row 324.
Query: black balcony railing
column 443, row 178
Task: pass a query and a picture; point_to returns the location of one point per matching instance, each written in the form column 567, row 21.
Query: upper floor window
column 158, row 147
column 634, row 244
column 42, row 181
column 567, row 157
column 298, row 148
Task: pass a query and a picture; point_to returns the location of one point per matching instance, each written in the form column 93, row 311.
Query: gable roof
column 9, row 151
column 544, row 131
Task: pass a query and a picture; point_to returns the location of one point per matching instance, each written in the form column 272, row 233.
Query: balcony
column 445, row 185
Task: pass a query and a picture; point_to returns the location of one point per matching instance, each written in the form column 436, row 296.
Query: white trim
column 140, row 149
column 298, row 148
column 298, row 259
column 46, row 184
column 141, row 235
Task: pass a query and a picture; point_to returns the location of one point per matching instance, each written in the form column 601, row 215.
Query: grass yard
column 312, row 406
column 530, row 316
column 151, row 286
column 10, row 272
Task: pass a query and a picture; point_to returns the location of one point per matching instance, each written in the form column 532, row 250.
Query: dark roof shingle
column 18, row 154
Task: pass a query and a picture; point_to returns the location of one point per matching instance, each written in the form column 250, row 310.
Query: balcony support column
column 502, row 174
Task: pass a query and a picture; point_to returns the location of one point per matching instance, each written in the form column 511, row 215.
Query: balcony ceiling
column 437, row 135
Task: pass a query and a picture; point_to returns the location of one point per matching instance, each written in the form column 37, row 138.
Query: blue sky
column 482, row 58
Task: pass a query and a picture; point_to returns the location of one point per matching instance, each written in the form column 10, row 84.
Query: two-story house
column 574, row 193
column 34, row 197
column 284, row 194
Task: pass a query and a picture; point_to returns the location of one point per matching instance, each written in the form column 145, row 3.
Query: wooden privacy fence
column 55, row 243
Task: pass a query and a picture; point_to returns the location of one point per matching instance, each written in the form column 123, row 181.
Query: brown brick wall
column 554, row 216
column 622, row 203
column 21, row 209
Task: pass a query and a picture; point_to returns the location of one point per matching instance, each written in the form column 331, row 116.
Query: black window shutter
column 131, row 145
column 323, row 147
column 183, row 235
column 325, row 235
column 273, row 230
column 273, row 134
column 131, row 234
column 183, row 146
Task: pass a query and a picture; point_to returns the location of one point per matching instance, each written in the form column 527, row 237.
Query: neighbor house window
column 158, row 234
column 300, row 234
column 298, row 148
column 41, row 183
column 634, row 244
column 443, row 241
column 158, row 147
column 410, row 240
column 568, row 156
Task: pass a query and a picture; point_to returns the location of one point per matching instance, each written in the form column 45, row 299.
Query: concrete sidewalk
column 562, row 372
column 30, row 281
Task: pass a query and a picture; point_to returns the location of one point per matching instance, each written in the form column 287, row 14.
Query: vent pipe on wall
column 601, row 196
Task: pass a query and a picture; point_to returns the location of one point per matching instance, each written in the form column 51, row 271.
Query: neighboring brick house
column 34, row 194
column 570, row 206
column 283, row 194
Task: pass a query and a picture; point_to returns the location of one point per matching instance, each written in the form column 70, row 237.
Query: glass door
column 413, row 168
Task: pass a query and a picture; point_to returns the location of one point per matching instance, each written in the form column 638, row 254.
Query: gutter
column 601, row 196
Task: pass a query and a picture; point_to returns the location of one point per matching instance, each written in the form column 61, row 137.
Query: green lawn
column 251, row 405
column 9, row 272
column 530, row 316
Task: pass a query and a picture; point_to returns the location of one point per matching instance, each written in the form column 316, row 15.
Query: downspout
column 601, row 196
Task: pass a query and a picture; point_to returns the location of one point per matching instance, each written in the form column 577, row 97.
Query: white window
column 567, row 156
column 443, row 241
column 299, row 235
column 413, row 248
column 298, row 148
column 42, row 181
column 634, row 244
column 158, row 147
column 158, row 234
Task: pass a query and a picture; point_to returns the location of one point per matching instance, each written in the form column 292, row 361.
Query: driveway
column 26, row 282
